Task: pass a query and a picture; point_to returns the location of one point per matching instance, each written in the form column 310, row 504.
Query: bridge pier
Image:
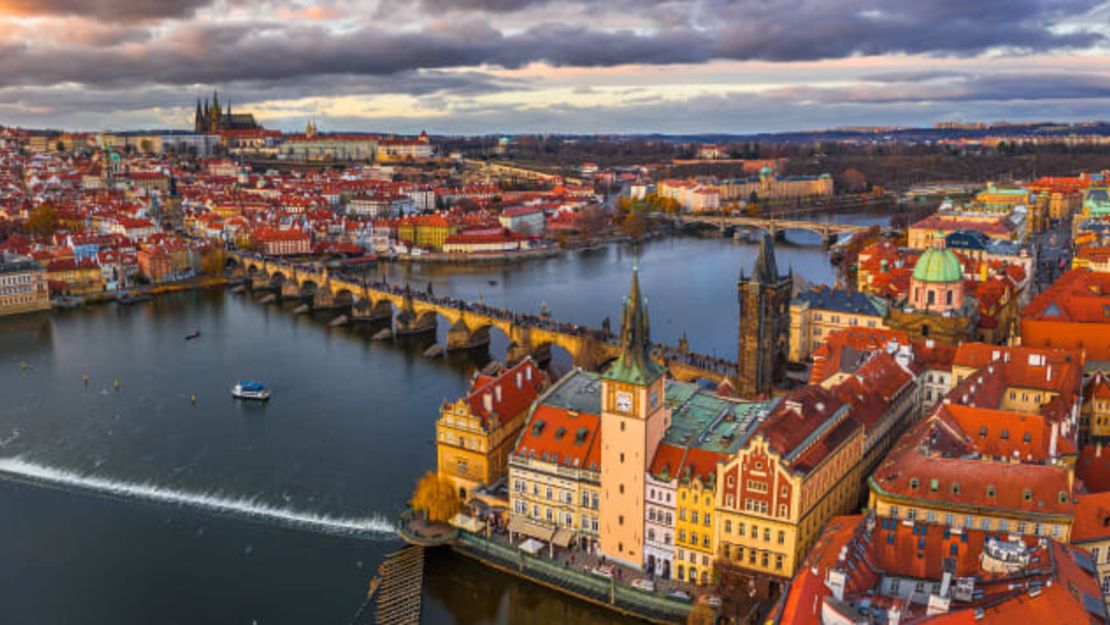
column 408, row 322
column 322, row 299
column 831, row 238
column 516, row 353
column 542, row 354
column 365, row 310
column 459, row 337
column 290, row 290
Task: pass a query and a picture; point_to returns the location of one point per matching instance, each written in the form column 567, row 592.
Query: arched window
column 932, row 297
column 948, row 297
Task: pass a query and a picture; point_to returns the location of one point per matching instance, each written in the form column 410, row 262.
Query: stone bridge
column 777, row 227
column 469, row 324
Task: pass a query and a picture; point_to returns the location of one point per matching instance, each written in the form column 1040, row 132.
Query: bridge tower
column 764, row 324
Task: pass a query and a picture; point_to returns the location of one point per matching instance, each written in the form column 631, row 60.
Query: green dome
column 765, row 171
column 937, row 265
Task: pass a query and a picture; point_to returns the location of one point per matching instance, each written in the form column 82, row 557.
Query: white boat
column 247, row 389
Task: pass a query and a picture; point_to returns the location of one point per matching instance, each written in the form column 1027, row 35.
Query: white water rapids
column 248, row 508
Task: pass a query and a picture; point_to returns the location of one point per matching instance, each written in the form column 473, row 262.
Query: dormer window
column 1026, row 495
column 991, row 491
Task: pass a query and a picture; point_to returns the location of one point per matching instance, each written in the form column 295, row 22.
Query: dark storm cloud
column 206, row 52
column 784, row 31
column 124, row 10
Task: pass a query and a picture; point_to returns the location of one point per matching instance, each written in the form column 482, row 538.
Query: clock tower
column 634, row 418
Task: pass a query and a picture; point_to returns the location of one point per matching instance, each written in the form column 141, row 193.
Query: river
column 225, row 512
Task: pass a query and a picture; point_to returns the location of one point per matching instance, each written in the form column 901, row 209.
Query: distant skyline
column 533, row 66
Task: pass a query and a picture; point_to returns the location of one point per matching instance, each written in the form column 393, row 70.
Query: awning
column 531, row 546
column 518, row 525
column 563, row 538
column 467, row 523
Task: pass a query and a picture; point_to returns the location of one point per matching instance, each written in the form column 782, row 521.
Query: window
column 1027, row 495
column 728, row 527
column 914, row 483
column 694, row 537
column 991, row 491
column 1106, row 584
column 782, row 537
column 682, row 535
column 778, row 561
column 694, row 516
column 549, row 492
column 707, row 519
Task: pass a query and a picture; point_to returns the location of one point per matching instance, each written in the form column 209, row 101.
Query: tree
column 853, row 180
column 436, row 497
column 42, row 220
column 634, row 224
column 592, row 221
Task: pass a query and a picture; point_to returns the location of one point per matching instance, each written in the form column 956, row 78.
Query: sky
column 553, row 66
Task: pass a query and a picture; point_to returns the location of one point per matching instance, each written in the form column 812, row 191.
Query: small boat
column 247, row 389
column 192, row 335
column 132, row 298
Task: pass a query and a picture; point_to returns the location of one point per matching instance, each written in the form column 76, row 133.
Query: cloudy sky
column 509, row 66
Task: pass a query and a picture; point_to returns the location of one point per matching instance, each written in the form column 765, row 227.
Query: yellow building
column 695, row 537
column 800, row 468
column 70, row 277
column 428, row 232
column 817, row 313
column 554, row 468
column 1094, row 414
column 23, row 286
column 476, row 432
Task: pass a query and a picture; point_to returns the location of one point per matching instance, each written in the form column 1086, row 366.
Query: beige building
column 634, row 419
column 23, row 286
column 817, row 313
column 554, row 470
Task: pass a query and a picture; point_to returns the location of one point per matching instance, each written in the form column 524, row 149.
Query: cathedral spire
column 635, row 365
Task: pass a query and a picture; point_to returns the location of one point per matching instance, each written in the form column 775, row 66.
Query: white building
column 659, row 496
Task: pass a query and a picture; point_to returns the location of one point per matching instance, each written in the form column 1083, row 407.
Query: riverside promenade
column 568, row 572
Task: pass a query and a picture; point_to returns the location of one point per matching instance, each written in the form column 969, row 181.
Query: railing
column 595, row 588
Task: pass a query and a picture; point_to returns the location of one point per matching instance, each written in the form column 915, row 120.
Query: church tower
column 198, row 118
column 634, row 418
column 764, row 324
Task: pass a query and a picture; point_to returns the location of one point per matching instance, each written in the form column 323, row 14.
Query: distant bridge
column 828, row 231
column 469, row 324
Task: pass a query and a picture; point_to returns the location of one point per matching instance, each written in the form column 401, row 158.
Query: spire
column 766, row 270
column 634, row 365
column 215, row 99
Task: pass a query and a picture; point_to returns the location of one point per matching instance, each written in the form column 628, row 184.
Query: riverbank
column 593, row 589
column 547, row 251
column 103, row 297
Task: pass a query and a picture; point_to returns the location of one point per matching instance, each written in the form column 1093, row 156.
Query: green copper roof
column 635, row 365
column 937, row 265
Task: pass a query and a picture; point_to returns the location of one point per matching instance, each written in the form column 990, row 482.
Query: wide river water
column 222, row 512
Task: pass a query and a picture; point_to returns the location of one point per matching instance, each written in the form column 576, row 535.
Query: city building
column 769, row 185
column 555, row 466
column 331, row 147
column 527, row 220
column 23, row 285
column 936, row 307
column 868, row 570
column 210, row 119
column 1073, row 313
column 380, row 204
column 1094, row 414
column 764, row 324
column 818, row 312
column 799, row 468
column 475, row 433
column 393, row 150
column 275, row 242
column 1091, row 531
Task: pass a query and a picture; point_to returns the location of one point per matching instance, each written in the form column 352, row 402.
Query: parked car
column 681, row 595
column 602, row 570
column 644, row 584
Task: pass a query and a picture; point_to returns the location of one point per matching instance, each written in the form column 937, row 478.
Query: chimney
column 1052, row 439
